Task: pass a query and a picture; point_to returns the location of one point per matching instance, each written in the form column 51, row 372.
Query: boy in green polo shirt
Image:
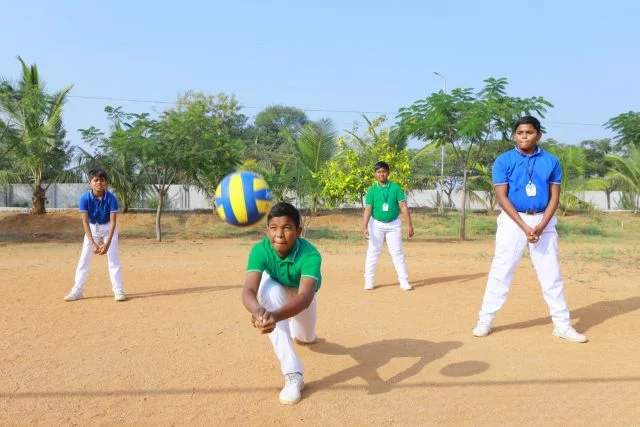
column 283, row 276
column 384, row 202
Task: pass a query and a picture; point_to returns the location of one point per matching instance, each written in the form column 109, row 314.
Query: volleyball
column 243, row 198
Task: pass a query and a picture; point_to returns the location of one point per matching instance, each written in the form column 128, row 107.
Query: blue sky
column 370, row 56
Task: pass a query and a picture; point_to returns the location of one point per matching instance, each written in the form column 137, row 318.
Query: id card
column 385, row 207
column 530, row 189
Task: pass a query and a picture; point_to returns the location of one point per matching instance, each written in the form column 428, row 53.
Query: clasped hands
column 263, row 320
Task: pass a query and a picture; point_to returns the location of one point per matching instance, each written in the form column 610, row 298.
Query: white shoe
column 74, row 295
column 292, row 391
column 368, row 286
column 482, row 329
column 406, row 286
column 120, row 296
column 570, row 334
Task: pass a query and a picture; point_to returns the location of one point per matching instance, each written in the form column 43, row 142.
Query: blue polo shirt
column 99, row 209
column 515, row 169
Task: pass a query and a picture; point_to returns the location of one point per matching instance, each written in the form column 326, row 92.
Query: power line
column 306, row 110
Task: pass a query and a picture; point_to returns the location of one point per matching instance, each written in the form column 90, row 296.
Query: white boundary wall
column 65, row 196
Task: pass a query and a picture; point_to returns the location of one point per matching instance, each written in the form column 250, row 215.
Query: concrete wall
column 65, row 196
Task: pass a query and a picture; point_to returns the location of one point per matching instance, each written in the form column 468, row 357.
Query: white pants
column 510, row 245
column 99, row 232
column 272, row 295
column 378, row 233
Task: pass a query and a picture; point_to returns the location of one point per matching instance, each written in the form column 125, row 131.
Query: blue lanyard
column 530, row 170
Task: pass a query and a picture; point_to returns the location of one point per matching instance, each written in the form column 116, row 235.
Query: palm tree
column 316, row 145
column 627, row 170
column 37, row 148
column 481, row 180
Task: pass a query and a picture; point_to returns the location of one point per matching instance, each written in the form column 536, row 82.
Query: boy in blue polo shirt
column 283, row 276
column 527, row 185
column 98, row 208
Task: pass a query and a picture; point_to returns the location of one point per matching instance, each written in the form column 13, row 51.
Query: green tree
column 349, row 175
column 627, row 169
column 315, row 147
column 627, row 128
column 597, row 167
column 572, row 160
column 467, row 121
column 276, row 124
column 118, row 155
column 33, row 135
column 209, row 130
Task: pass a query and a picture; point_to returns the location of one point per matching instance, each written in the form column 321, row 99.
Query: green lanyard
column 384, row 196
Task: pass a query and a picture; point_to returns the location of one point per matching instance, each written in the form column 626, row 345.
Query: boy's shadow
column 588, row 316
column 169, row 292
column 438, row 280
column 375, row 355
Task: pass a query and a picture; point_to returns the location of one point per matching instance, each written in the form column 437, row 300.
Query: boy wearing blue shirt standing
column 98, row 209
column 527, row 185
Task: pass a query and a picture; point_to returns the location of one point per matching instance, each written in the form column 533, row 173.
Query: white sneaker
column 406, row 286
column 120, row 296
column 368, row 286
column 570, row 334
column 292, row 391
column 74, row 295
column 482, row 329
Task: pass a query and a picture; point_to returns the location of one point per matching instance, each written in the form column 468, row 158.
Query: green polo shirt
column 304, row 260
column 392, row 194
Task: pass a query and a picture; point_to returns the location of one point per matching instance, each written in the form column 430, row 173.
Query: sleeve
column 400, row 196
column 310, row 266
column 369, row 198
column 114, row 206
column 556, row 172
column 83, row 203
column 257, row 261
column 500, row 171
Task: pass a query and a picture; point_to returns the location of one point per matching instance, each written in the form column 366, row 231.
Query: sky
column 333, row 59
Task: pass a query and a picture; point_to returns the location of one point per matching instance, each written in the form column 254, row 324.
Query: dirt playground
column 181, row 350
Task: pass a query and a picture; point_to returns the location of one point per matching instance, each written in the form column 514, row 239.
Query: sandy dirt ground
column 181, row 350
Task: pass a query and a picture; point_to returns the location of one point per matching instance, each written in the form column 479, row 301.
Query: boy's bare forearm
column 293, row 306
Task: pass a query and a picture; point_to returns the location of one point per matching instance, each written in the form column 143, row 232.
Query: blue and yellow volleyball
column 243, row 198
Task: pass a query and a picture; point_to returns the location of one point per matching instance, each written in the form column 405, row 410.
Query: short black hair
column 285, row 209
column 528, row 120
column 381, row 165
column 100, row 173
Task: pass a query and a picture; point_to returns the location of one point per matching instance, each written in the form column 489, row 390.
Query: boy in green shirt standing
column 283, row 277
column 384, row 202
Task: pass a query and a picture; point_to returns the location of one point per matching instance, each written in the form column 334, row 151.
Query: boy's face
column 526, row 137
column 282, row 233
column 97, row 185
column 382, row 175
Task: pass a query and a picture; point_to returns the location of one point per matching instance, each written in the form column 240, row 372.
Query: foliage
column 314, row 148
column 32, row 135
column 350, row 174
column 628, row 171
column 276, row 124
column 627, row 127
column 467, row 122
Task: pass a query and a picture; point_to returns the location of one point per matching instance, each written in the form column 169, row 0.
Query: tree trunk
column 463, row 213
column 39, row 200
column 158, row 215
column 608, row 200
